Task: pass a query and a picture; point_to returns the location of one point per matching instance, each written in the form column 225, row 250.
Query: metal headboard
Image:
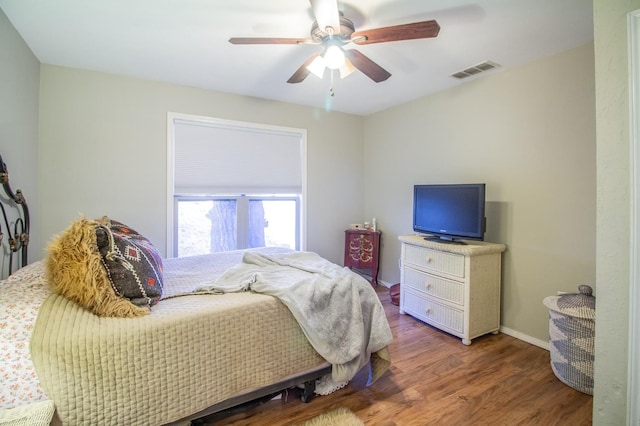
column 18, row 240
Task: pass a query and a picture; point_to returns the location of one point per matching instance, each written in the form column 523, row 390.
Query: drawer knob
column 428, row 260
column 429, row 286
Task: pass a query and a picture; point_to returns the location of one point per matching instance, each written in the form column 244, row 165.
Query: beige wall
column 19, row 83
column 613, row 226
column 529, row 134
column 103, row 151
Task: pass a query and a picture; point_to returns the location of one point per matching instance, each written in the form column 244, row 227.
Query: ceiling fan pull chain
column 331, row 92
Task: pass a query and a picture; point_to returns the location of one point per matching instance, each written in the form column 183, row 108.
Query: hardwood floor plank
column 436, row 380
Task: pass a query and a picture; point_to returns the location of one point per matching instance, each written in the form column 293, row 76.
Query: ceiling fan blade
column 425, row 29
column 302, row 72
column 369, row 68
column 268, row 40
column 327, row 15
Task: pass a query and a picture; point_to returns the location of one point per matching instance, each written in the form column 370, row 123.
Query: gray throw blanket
column 338, row 310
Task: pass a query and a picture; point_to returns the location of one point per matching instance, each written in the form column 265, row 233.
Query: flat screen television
column 449, row 212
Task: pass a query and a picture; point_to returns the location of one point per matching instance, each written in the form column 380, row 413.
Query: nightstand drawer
column 433, row 312
column 359, row 250
column 451, row 291
column 437, row 261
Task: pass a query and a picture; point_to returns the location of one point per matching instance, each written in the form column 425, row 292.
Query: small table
column 361, row 248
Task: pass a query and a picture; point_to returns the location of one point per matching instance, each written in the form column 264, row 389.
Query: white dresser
column 455, row 288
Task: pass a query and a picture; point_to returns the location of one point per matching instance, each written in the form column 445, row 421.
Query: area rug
column 337, row 417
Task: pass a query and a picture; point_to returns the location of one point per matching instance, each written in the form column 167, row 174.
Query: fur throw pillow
column 106, row 267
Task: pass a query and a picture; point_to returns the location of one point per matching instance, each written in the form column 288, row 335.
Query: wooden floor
column 436, row 380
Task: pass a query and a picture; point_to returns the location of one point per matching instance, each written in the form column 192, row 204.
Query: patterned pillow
column 106, row 267
column 132, row 263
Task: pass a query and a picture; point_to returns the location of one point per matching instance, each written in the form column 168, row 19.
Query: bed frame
column 308, row 378
column 18, row 240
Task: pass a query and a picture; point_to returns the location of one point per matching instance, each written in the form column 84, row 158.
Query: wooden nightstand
column 361, row 248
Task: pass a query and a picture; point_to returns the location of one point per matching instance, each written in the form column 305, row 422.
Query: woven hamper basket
column 571, row 337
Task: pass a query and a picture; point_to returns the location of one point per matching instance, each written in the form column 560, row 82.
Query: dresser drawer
column 452, row 291
column 433, row 312
column 437, row 261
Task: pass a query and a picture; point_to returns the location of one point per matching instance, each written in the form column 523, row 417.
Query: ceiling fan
column 333, row 31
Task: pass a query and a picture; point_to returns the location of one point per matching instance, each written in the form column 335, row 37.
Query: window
column 207, row 224
column 233, row 185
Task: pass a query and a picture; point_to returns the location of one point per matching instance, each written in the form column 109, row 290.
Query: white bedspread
column 338, row 310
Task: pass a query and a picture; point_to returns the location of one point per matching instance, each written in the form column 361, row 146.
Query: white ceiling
column 186, row 42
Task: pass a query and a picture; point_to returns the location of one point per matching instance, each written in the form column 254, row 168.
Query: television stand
column 455, row 288
column 444, row 240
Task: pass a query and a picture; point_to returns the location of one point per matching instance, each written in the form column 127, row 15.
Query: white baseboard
column 368, row 278
column 384, row 283
column 525, row 338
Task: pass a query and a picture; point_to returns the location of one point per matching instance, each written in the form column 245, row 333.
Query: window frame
column 171, row 206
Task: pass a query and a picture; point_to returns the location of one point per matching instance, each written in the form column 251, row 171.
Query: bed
column 208, row 344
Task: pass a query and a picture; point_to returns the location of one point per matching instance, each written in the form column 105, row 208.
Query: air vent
column 476, row 69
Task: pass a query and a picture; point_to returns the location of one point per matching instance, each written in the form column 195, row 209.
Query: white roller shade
column 220, row 159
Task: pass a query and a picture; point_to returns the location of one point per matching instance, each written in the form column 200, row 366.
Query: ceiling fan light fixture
column 334, row 57
column 317, row 66
column 331, row 30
